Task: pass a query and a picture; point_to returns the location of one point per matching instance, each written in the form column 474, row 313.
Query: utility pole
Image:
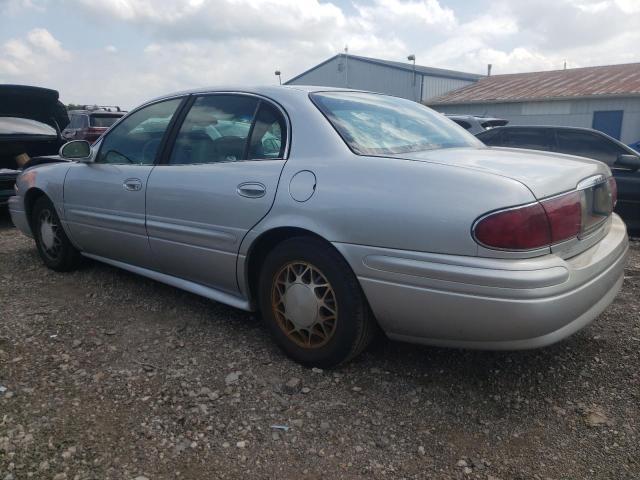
column 346, row 66
column 412, row 57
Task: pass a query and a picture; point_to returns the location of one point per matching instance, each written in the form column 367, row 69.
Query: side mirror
column 627, row 160
column 76, row 150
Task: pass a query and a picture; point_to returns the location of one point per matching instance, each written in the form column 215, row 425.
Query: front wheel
column 312, row 303
column 54, row 247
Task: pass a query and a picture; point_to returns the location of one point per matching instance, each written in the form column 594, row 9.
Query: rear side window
column 374, row 124
column 535, row 139
column 215, row 130
column 590, row 145
column 268, row 135
column 229, row 128
column 103, row 120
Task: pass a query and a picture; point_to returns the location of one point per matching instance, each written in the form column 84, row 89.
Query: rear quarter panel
column 392, row 203
column 386, row 202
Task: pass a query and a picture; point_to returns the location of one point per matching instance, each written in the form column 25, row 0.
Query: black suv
column 584, row 142
column 91, row 122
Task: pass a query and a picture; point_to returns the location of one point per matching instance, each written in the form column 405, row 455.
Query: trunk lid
column 35, row 103
column 546, row 174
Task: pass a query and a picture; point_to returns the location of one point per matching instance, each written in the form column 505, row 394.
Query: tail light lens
column 547, row 222
column 565, row 216
column 521, row 228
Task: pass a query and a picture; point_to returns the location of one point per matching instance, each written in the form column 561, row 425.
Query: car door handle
column 132, row 184
column 251, row 190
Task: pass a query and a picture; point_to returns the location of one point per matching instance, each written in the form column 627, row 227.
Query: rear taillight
column 521, row 228
column 565, row 216
column 547, row 222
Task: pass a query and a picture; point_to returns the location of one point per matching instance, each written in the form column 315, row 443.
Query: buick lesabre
column 336, row 214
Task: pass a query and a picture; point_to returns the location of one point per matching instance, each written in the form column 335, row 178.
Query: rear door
column 218, row 179
column 104, row 200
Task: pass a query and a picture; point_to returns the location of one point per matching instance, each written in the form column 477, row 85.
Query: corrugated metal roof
column 438, row 72
column 610, row 80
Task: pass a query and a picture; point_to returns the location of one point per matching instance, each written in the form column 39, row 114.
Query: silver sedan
column 337, row 214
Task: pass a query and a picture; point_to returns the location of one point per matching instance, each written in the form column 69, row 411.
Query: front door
column 217, row 182
column 104, row 200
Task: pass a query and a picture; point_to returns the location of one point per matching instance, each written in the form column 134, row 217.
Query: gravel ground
column 106, row 375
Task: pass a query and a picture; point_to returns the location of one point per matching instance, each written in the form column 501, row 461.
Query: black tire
column 353, row 327
column 60, row 255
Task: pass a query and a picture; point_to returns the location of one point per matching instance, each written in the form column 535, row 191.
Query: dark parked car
column 583, row 142
column 91, row 122
column 30, row 122
column 474, row 124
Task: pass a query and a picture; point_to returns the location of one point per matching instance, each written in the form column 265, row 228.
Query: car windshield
column 373, row 124
column 104, row 120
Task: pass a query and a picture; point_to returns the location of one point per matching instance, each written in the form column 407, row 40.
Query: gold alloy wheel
column 304, row 304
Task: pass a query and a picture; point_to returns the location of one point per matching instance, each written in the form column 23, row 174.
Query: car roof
column 98, row 112
column 546, row 127
column 466, row 117
column 272, row 91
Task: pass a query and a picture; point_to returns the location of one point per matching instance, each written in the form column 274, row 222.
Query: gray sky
column 126, row 51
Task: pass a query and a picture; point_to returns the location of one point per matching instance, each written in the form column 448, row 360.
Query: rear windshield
column 104, row 120
column 374, row 124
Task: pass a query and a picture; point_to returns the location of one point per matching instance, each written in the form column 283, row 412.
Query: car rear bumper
column 18, row 215
column 485, row 303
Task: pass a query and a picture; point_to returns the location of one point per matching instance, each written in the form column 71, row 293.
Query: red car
column 91, row 122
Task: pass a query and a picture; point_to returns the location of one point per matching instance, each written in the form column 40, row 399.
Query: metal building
column 606, row 98
column 394, row 78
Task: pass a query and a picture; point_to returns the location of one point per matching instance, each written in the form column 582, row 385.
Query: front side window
column 374, row 124
column 216, row 129
column 137, row 138
column 590, row 145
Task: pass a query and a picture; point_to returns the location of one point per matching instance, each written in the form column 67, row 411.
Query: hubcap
column 304, row 304
column 49, row 234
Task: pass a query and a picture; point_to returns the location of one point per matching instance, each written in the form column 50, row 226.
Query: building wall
column 573, row 113
column 435, row 86
column 354, row 73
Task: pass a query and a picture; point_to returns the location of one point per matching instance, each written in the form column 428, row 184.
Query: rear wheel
column 54, row 247
column 312, row 303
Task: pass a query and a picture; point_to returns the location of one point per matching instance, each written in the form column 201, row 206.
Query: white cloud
column 32, row 56
column 13, row 6
column 186, row 43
